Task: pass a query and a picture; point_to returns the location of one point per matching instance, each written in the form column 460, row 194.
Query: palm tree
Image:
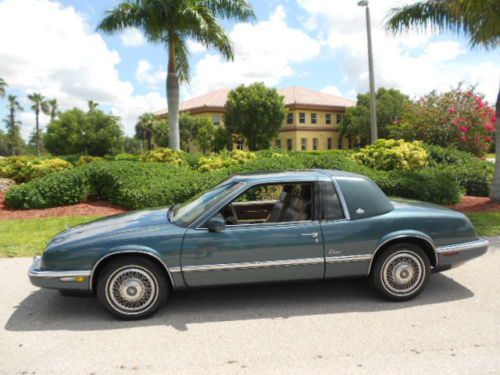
column 51, row 109
column 173, row 22
column 92, row 105
column 3, row 86
column 145, row 127
column 39, row 105
column 13, row 133
column 479, row 20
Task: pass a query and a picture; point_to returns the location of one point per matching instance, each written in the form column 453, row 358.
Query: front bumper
column 451, row 256
column 68, row 280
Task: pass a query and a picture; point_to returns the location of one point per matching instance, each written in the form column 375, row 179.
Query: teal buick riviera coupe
column 260, row 227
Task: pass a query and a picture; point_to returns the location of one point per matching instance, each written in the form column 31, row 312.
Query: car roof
column 308, row 174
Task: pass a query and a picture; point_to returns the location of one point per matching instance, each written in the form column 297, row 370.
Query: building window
column 289, row 118
column 339, row 118
column 303, row 144
column 289, row 144
column 239, row 145
column 302, row 118
column 328, row 118
column 216, row 119
column 277, row 143
column 314, row 118
column 330, row 144
column 315, row 143
column 340, row 143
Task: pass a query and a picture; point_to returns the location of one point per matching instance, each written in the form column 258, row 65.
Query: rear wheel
column 132, row 287
column 401, row 272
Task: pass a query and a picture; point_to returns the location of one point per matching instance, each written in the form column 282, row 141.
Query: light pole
column 373, row 102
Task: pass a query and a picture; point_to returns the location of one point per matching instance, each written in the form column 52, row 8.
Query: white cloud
column 195, row 47
column 55, row 52
column 132, row 37
column 415, row 62
column 146, row 75
column 264, row 51
column 332, row 90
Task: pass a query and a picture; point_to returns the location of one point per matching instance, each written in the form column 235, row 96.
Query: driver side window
column 271, row 203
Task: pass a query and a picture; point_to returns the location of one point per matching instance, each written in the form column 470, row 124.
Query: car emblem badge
column 334, row 252
column 360, row 211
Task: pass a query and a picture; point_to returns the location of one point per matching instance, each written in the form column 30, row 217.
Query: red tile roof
column 295, row 96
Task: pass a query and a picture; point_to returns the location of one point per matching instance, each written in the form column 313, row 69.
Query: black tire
column 130, row 277
column 401, row 272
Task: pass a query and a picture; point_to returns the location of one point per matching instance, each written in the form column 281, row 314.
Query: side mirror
column 216, row 224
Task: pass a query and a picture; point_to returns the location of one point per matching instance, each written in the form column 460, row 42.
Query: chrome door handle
column 313, row 235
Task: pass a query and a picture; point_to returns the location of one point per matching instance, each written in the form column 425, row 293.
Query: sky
column 52, row 47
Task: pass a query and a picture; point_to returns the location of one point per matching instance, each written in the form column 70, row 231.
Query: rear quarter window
column 363, row 197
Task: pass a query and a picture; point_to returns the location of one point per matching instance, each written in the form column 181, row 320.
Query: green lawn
column 487, row 224
column 28, row 237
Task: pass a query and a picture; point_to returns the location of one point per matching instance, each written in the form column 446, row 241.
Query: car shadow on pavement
column 48, row 310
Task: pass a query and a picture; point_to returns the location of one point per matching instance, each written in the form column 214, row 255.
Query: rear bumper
column 68, row 280
column 451, row 256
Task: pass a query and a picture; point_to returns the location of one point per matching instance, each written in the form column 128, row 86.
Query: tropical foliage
column 391, row 154
column 255, row 112
column 14, row 141
column 356, row 122
column 479, row 20
column 458, row 118
column 91, row 133
column 172, row 23
column 39, row 105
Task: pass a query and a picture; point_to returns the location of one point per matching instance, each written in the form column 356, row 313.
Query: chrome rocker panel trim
column 464, row 246
column 349, row 258
column 252, row 265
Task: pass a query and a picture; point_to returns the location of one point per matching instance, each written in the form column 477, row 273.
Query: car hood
column 113, row 225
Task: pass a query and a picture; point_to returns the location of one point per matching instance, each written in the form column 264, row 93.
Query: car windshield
column 189, row 211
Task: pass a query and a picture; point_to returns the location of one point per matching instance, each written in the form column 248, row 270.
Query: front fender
column 130, row 250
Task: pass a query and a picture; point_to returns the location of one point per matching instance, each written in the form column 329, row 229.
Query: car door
column 248, row 253
column 346, row 241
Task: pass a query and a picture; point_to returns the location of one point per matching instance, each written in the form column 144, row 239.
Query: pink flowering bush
column 457, row 118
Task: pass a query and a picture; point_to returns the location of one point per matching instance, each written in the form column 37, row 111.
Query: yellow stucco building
column 311, row 122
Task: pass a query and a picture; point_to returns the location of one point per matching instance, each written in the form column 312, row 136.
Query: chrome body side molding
column 349, row 258
column 253, row 265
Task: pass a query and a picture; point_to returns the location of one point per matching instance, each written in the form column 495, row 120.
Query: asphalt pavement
column 314, row 328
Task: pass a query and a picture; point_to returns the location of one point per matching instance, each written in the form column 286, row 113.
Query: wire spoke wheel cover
column 403, row 273
column 132, row 290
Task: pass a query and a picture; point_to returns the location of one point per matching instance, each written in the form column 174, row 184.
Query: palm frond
column 126, row 14
column 478, row 19
column 240, row 10
column 182, row 60
column 206, row 29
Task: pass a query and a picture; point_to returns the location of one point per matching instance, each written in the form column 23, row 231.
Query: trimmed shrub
column 224, row 160
column 429, row 185
column 127, row 157
column 86, row 159
column 165, row 155
column 391, row 154
column 56, row 189
column 24, row 168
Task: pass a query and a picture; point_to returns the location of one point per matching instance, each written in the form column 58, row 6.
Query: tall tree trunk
column 173, row 99
column 12, row 129
column 495, row 187
column 37, row 134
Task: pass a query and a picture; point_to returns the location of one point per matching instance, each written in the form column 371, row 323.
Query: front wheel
column 132, row 287
column 401, row 272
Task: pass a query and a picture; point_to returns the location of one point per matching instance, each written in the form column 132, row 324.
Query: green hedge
column 137, row 185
